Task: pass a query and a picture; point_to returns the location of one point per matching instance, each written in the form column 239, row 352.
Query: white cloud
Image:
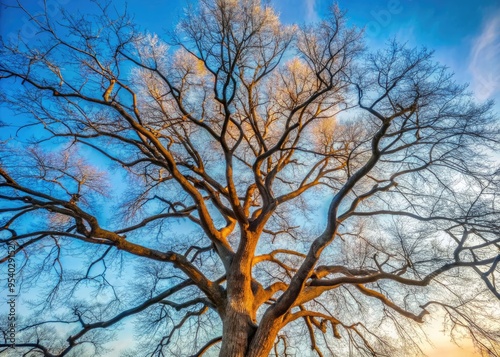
column 311, row 13
column 484, row 64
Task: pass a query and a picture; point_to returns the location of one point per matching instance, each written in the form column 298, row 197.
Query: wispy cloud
column 311, row 13
column 485, row 58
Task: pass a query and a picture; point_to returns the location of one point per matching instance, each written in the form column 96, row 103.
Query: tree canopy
column 242, row 187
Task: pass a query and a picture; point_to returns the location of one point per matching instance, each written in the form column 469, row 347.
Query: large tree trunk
column 239, row 314
column 237, row 333
column 263, row 339
column 242, row 339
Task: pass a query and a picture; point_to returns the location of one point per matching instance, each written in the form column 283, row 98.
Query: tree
column 270, row 187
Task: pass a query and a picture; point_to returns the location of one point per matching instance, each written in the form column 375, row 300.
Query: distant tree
column 250, row 189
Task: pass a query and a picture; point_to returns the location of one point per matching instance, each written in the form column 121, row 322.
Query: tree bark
column 239, row 321
column 263, row 340
column 238, row 330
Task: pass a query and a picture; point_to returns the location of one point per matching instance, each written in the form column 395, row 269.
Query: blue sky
column 465, row 34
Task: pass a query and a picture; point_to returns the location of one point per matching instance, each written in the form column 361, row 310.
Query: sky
column 465, row 35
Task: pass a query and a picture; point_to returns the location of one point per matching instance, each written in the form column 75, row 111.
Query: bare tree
column 257, row 186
